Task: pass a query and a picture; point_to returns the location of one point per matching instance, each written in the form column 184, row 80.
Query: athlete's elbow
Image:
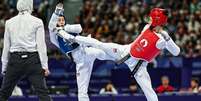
column 51, row 40
column 50, row 27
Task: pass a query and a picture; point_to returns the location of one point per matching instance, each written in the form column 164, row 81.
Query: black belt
column 137, row 66
column 123, row 59
column 24, row 54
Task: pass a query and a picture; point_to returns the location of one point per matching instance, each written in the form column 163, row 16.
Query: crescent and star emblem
column 144, row 43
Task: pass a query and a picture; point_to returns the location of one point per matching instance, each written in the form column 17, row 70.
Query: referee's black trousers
column 22, row 64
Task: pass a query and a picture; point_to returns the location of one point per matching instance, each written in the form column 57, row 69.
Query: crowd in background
column 118, row 21
column 8, row 10
column 164, row 88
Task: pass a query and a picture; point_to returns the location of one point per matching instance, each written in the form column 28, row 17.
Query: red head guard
column 159, row 16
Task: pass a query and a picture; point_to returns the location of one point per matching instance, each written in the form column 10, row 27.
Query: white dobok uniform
column 83, row 55
column 119, row 51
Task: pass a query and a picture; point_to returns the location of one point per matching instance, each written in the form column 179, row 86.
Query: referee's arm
column 6, row 48
column 41, row 45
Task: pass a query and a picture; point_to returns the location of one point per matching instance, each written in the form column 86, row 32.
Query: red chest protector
column 144, row 47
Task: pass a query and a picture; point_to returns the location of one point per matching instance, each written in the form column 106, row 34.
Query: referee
column 24, row 52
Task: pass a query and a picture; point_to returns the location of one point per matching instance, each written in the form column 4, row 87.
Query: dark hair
column 62, row 16
column 141, row 26
column 196, row 80
column 133, row 82
column 60, row 1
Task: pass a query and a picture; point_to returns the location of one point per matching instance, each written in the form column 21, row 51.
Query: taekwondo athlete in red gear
column 151, row 40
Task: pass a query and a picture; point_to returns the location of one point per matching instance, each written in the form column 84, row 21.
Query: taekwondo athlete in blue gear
column 82, row 55
column 135, row 64
column 65, row 45
column 142, row 76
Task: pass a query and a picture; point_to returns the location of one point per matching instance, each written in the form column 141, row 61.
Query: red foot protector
column 144, row 47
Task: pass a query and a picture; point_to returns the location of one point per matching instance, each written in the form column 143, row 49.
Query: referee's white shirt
column 24, row 33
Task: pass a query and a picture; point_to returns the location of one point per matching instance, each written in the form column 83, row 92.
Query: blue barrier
column 116, row 98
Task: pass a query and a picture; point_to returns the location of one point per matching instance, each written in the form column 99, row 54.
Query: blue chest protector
column 65, row 45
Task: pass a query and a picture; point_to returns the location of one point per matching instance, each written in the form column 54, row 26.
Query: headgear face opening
column 61, row 21
column 158, row 16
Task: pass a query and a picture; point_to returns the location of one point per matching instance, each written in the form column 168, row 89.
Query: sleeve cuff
column 4, row 66
column 44, row 66
column 75, row 28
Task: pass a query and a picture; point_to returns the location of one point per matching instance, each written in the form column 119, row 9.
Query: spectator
column 133, row 88
column 109, row 89
column 194, row 88
column 119, row 20
column 194, row 6
column 165, row 87
column 17, row 91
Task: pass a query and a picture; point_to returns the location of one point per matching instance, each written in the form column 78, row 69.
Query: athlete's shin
column 143, row 79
